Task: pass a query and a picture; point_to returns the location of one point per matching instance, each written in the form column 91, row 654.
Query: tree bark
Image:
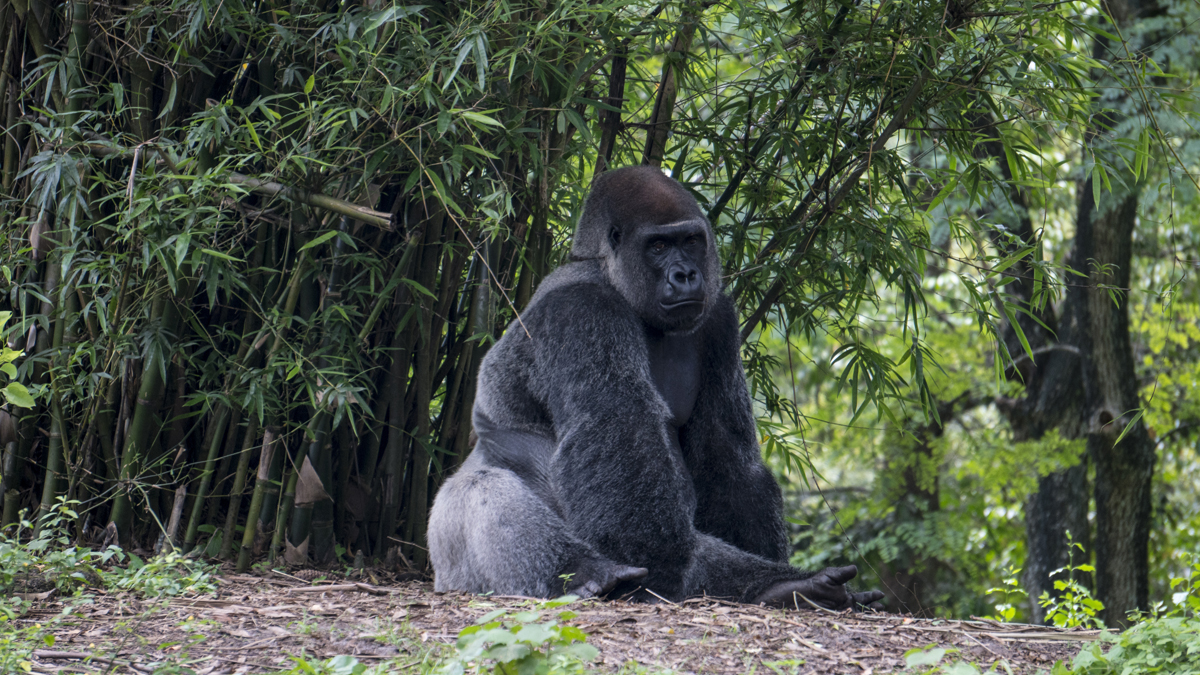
column 1124, row 470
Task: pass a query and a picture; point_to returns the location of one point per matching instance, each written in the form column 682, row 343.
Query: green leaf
column 319, row 240
column 942, row 194
column 18, row 395
column 392, row 14
column 481, row 119
column 929, row 656
column 418, row 287
column 479, row 151
column 1132, row 423
column 467, row 46
column 170, row 105
column 481, row 59
column 310, row 83
column 218, row 254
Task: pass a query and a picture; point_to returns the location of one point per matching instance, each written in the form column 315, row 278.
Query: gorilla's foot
column 825, row 589
column 598, row 577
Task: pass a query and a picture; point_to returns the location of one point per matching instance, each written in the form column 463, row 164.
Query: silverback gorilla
column 617, row 449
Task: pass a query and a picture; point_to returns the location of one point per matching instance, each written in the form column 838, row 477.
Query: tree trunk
column 1103, row 243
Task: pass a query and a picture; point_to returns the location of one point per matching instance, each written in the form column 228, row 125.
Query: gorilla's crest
column 626, row 199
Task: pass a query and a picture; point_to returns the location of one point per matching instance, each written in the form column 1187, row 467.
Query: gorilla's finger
column 867, row 598
column 589, row 590
column 627, row 573
column 617, row 574
column 840, row 575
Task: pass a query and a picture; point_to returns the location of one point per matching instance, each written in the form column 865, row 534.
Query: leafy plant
column 48, row 560
column 1164, row 641
column 1074, row 605
column 167, row 574
column 1011, row 586
column 14, row 392
column 928, row 661
column 504, row 644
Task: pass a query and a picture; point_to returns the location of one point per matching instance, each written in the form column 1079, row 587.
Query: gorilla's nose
column 686, row 282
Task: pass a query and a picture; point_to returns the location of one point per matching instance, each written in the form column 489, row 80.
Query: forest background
column 253, row 254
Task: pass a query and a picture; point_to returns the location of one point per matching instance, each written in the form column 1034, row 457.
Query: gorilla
column 616, row 449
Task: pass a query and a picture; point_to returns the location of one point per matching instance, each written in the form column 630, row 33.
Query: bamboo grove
column 254, row 252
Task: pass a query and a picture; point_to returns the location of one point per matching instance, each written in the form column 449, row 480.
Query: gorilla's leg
column 721, row 570
column 488, row 532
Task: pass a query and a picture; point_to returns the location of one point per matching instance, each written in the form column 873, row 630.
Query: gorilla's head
column 656, row 244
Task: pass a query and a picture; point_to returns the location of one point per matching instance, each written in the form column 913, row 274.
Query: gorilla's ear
column 614, row 238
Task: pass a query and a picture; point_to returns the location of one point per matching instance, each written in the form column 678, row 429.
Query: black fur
column 616, row 440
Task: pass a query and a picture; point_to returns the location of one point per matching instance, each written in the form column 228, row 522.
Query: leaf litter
column 260, row 624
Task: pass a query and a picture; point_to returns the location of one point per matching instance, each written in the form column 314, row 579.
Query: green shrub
column 48, row 561
column 166, row 574
column 1164, row 641
column 504, row 644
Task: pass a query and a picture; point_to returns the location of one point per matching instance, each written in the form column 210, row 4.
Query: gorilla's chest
column 675, row 367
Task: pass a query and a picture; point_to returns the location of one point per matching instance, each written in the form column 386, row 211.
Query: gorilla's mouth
column 687, row 303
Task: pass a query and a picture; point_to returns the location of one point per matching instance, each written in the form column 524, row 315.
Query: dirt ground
column 255, row 624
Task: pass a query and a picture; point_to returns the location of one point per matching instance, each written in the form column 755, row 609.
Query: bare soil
column 256, row 624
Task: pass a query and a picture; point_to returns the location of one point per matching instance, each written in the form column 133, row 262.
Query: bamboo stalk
column 54, row 462
column 143, row 425
column 222, row 419
column 225, row 457
column 317, row 518
column 9, row 481
column 418, row 487
column 287, row 501
column 239, row 486
column 12, row 500
column 339, row 206
column 265, row 460
column 104, row 147
column 346, row 456
column 77, row 44
column 171, row 536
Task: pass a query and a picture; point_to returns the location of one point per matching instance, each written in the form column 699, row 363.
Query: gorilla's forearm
column 622, row 484
column 737, row 498
column 744, row 508
column 721, row 570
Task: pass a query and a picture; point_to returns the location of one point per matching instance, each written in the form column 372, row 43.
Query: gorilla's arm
column 737, row 498
column 621, row 484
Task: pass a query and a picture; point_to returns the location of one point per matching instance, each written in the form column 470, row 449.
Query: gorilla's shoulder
column 577, row 292
column 584, row 273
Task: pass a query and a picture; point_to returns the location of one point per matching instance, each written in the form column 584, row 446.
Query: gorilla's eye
column 658, row 246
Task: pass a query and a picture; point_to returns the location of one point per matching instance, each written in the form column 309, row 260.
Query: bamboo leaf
column 391, row 14
column 1133, row 422
column 171, row 93
column 218, row 254
column 481, row 58
column 467, row 46
column 481, row 119
column 319, row 240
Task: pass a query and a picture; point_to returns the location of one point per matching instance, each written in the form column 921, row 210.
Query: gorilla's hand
column 826, row 588
column 600, row 579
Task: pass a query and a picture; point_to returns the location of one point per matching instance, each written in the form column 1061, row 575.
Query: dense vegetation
column 254, row 253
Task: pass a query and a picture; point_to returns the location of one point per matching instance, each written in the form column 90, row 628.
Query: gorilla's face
column 660, row 270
